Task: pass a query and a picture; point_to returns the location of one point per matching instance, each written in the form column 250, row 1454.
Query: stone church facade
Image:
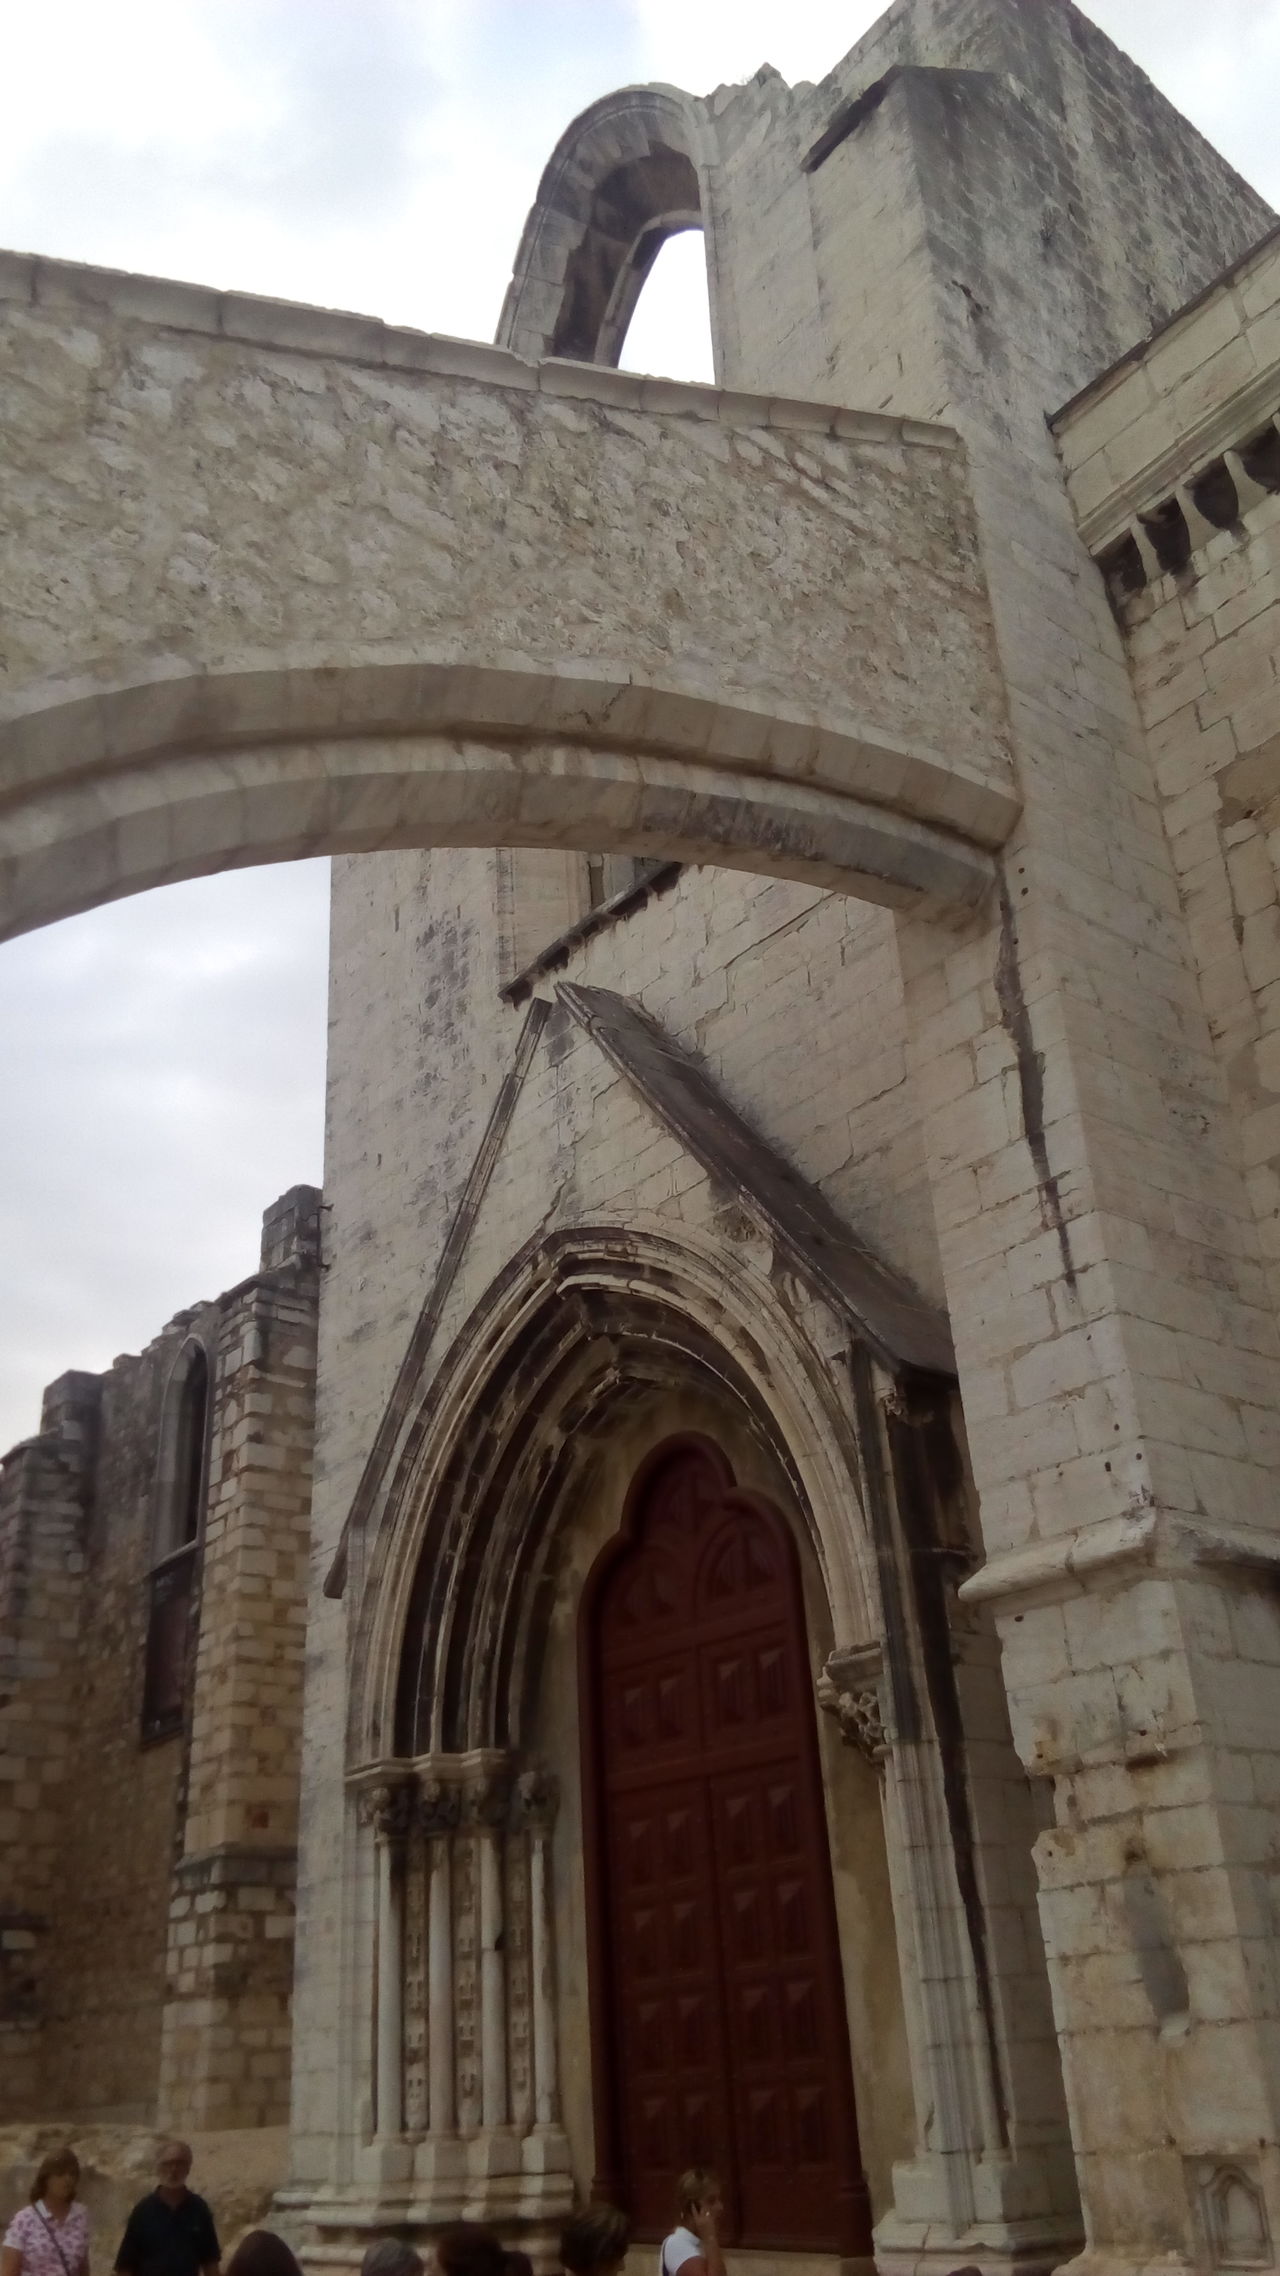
column 792, row 1651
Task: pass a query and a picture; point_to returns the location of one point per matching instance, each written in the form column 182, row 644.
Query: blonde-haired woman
column 50, row 2236
column 693, row 2247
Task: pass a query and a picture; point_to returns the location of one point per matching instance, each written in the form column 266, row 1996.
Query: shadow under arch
column 625, row 175
column 445, row 1642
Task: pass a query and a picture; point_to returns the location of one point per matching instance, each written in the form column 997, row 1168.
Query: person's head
column 391, row 2256
column 173, row 2164
column 466, row 2248
column 262, row 2253
column 57, row 2177
column 698, row 2190
column 517, row 2263
column 595, row 2243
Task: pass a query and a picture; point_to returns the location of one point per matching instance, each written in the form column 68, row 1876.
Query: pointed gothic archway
column 718, row 2011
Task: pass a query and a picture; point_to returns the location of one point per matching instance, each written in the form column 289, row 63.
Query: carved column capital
column 849, row 1688
column 535, row 1798
column 388, row 1808
column 439, row 1806
column 485, row 1796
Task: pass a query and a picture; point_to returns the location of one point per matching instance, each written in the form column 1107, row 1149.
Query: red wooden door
column 724, row 2006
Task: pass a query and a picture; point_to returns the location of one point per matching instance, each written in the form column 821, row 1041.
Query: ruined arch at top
column 623, row 178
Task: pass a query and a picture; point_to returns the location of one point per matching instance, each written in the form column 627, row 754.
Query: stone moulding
column 125, row 789
column 1101, row 1555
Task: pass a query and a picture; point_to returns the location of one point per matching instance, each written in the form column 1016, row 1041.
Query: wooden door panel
column 784, row 2024
column 724, row 1997
column 672, row 2066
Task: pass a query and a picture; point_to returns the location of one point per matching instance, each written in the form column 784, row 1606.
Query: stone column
column 389, row 1810
column 548, row 2185
column 936, row 2195
column 493, row 2150
column 438, row 1815
column 983, row 2186
column 440, row 2157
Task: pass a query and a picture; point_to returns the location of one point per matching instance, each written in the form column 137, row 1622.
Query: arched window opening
column 181, row 1483
column 669, row 333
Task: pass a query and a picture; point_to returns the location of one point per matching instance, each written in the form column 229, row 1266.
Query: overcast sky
column 161, row 1061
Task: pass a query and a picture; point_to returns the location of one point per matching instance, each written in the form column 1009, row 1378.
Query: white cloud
column 164, row 1058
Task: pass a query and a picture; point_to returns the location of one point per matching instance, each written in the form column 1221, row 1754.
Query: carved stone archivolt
column 465, row 2038
column 849, row 1687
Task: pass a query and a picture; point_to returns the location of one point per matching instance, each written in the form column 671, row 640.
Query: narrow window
column 171, row 1582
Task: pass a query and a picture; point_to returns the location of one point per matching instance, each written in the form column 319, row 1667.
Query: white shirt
column 680, row 2246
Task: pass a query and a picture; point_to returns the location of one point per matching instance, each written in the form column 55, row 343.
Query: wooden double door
column 717, row 1992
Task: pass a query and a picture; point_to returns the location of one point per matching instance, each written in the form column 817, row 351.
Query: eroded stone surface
column 261, row 541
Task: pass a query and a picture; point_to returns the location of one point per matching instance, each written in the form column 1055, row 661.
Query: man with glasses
column 170, row 2232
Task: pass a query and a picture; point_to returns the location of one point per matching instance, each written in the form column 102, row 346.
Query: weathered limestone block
column 585, row 609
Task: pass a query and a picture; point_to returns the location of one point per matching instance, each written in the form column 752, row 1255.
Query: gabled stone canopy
column 905, row 1334
column 280, row 582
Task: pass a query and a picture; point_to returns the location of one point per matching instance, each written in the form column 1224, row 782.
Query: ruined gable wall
column 793, row 1000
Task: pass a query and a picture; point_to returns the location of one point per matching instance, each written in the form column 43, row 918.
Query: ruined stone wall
column 125, row 1846
column 226, row 2041
column 45, row 1490
column 123, row 1796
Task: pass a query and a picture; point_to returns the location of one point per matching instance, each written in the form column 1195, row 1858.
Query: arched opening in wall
column 717, row 1996
column 669, row 332
column 181, row 1485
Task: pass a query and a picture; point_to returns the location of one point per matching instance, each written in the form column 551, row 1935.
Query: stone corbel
column 849, row 1687
column 535, row 1799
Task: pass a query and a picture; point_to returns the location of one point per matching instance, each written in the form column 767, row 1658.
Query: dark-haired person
column 517, row 2263
column 391, row 2256
column 595, row 2243
column 693, row 2246
column 50, row 2235
column 170, row 2232
column 262, row 2253
column 467, row 2248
